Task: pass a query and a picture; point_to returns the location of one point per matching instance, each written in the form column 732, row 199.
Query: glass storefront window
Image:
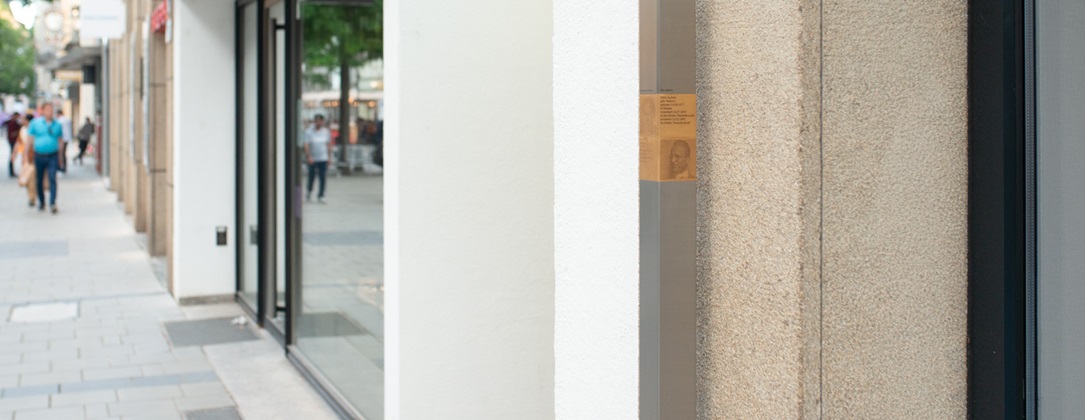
column 340, row 322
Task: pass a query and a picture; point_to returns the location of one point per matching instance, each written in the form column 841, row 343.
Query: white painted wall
column 469, row 210
column 596, row 209
column 204, row 152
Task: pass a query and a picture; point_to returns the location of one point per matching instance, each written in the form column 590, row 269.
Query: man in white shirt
column 66, row 127
column 317, row 150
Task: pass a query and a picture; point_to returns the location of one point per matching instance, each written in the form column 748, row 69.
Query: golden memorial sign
column 668, row 137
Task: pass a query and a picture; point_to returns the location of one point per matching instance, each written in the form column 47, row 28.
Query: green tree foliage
column 333, row 35
column 341, row 37
column 16, row 58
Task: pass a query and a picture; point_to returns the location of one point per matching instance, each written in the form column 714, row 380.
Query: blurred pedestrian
column 66, row 129
column 47, row 136
column 13, row 126
column 27, row 174
column 317, row 142
column 85, row 132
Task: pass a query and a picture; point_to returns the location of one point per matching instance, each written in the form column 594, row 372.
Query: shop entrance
column 311, row 187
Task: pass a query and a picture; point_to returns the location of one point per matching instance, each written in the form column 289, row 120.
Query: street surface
column 83, row 325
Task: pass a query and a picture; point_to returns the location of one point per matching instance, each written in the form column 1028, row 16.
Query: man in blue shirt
column 45, row 133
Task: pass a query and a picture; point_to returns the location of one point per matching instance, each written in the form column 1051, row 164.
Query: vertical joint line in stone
column 821, row 208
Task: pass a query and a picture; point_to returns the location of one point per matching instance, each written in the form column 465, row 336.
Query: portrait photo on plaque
column 679, row 159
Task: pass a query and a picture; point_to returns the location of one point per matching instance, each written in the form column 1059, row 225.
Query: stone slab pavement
column 81, row 324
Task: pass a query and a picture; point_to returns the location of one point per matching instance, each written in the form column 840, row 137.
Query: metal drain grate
column 207, row 331
column 225, row 413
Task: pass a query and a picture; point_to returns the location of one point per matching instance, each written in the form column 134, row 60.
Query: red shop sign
column 159, row 17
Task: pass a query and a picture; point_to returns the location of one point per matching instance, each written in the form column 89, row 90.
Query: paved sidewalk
column 83, row 325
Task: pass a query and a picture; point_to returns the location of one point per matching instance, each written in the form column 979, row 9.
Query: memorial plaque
column 668, row 137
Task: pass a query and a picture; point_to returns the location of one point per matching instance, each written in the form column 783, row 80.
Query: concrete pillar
column 118, row 133
column 167, row 156
column 203, row 153
column 832, row 208
column 155, row 211
column 758, row 208
column 895, row 200
column 131, row 56
column 596, row 209
column 489, row 299
column 140, row 184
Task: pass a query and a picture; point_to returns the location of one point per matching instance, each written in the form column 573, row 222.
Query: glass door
column 1060, row 103
column 337, row 310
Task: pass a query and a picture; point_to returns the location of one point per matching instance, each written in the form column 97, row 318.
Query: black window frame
column 1002, row 210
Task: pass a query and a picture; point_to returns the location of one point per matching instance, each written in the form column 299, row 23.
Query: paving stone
column 201, row 402
column 80, row 364
column 110, row 341
column 24, row 367
column 158, row 380
column 63, row 344
column 155, row 358
column 143, row 408
column 51, row 355
column 24, row 403
column 96, row 411
column 165, row 392
column 67, row 413
column 207, row 388
column 99, row 332
column 111, row 373
column 94, row 385
column 26, row 391
column 44, row 312
column 185, row 367
column 23, row 347
column 189, row 353
column 84, row 398
column 47, row 335
column 175, row 416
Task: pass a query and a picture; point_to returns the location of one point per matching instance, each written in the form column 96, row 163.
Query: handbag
column 25, row 173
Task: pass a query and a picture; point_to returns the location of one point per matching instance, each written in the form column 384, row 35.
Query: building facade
column 863, row 216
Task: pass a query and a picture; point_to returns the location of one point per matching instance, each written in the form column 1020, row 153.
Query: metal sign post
column 668, row 210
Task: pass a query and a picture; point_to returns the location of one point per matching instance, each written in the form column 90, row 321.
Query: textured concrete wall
column 168, row 156
column 757, row 207
column 156, row 210
column 141, row 181
column 832, row 205
column 895, row 251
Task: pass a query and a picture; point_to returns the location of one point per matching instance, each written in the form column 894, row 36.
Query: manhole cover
column 44, row 312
